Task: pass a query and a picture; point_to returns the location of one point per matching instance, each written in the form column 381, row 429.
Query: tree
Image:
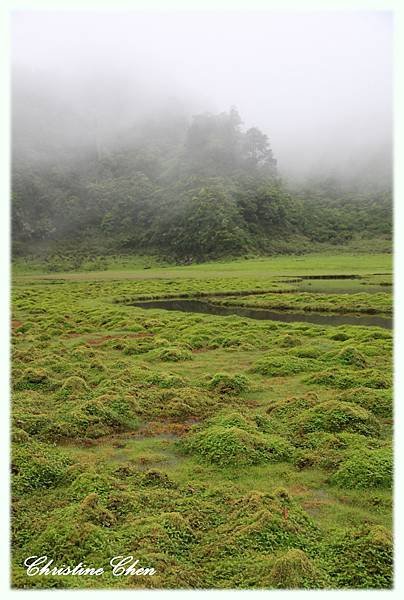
column 257, row 151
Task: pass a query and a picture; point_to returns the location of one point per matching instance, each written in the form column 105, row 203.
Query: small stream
column 202, row 306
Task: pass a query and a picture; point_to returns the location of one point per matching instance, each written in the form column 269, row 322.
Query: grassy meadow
column 223, row 451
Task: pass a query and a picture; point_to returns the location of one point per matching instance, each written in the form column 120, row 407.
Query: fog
column 318, row 84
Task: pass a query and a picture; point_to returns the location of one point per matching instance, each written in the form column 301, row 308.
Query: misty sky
column 319, row 84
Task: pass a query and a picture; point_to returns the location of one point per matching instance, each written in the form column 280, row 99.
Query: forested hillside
column 186, row 189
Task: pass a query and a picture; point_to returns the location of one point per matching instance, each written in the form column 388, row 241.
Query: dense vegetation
column 184, row 190
column 222, row 451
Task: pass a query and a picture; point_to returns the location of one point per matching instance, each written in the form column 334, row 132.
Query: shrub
column 365, row 469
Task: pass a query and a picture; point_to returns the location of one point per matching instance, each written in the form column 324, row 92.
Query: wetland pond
column 201, row 306
column 320, row 284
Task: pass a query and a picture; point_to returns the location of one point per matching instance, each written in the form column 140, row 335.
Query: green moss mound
column 163, row 380
column 234, row 441
column 280, row 366
column 361, row 558
column 94, row 417
column 290, row 341
column 365, row 469
column 335, row 416
column 263, row 523
column 170, row 354
column 379, row 402
column 229, row 384
column 287, row 408
column 232, row 419
column 74, row 384
column 34, row 378
column 36, row 465
column 352, row 356
column 294, row 570
column 346, row 378
column 178, row 403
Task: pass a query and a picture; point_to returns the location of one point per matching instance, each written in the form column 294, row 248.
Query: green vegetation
column 226, row 452
column 303, row 301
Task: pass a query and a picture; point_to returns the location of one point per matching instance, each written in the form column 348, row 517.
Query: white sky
column 319, row 84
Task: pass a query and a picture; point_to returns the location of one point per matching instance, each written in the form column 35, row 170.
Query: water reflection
column 201, row 306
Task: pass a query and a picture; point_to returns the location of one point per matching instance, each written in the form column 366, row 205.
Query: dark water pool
column 201, row 306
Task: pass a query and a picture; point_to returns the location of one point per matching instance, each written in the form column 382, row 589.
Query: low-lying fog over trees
column 197, row 135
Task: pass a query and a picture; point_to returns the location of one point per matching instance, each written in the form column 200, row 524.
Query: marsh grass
column 224, row 451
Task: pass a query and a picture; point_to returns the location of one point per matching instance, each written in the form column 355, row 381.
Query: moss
column 189, row 516
column 339, row 336
column 361, row 558
column 283, row 365
column 352, row 356
column 113, row 411
column 308, row 352
column 345, row 379
column 74, row 384
column 155, row 478
column 267, row 525
column 232, row 419
column 163, row 380
column 289, row 341
column 294, row 570
column 231, row 446
column 71, row 536
column 335, row 416
column 287, row 408
column 184, row 402
column 365, row 469
column 91, row 510
column 19, row 435
column 170, row 354
column 91, row 482
column 379, row 402
column 36, row 465
column 34, row 378
column 229, row 384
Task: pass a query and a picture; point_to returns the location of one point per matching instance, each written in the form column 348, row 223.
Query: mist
column 318, row 84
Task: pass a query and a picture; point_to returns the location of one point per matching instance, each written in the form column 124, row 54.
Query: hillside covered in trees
column 185, row 189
